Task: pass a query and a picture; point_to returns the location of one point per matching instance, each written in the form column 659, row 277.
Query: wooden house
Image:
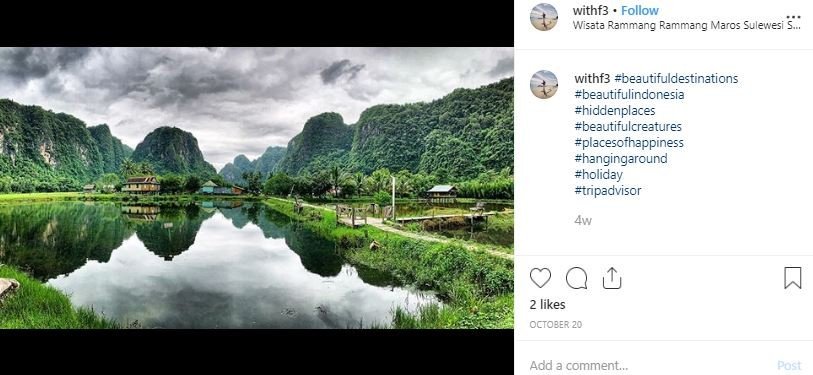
column 89, row 189
column 142, row 185
column 208, row 188
column 442, row 194
column 211, row 188
column 141, row 213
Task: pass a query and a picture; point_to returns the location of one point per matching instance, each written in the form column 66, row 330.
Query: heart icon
column 540, row 276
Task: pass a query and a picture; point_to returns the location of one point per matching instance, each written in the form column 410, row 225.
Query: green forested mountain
column 269, row 160
column 459, row 136
column 46, row 151
column 465, row 135
column 265, row 164
column 172, row 150
column 112, row 150
column 324, row 139
column 233, row 171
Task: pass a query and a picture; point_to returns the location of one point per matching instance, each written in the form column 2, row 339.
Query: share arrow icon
column 611, row 280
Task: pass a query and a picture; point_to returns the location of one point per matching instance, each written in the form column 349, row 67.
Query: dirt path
column 379, row 223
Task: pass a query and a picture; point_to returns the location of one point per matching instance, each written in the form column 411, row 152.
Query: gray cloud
column 25, row 63
column 236, row 100
column 195, row 86
column 66, row 56
column 503, row 68
column 338, row 69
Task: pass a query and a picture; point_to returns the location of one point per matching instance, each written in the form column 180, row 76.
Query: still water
column 209, row 265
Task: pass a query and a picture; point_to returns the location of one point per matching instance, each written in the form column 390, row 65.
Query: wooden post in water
column 352, row 217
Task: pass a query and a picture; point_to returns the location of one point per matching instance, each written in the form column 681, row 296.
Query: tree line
column 338, row 183
column 331, row 182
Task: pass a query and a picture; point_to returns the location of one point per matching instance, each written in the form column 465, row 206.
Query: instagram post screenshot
column 535, row 187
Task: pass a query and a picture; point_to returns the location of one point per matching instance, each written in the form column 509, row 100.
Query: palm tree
column 253, row 181
column 128, row 167
column 379, row 180
column 359, row 180
column 404, row 185
column 146, row 168
column 336, row 178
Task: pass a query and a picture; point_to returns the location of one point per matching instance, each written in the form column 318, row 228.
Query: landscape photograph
column 281, row 188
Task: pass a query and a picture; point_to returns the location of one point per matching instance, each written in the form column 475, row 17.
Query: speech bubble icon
column 576, row 278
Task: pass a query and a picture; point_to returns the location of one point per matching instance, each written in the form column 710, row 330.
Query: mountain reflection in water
column 208, row 265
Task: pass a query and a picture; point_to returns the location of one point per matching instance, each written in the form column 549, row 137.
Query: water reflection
column 173, row 230
column 53, row 239
column 480, row 232
column 141, row 213
column 196, row 266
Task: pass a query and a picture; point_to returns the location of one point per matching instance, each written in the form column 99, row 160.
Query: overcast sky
column 236, row 100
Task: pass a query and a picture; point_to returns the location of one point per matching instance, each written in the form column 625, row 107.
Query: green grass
column 433, row 211
column 36, row 305
column 369, row 199
column 501, row 221
column 495, row 313
column 31, row 197
column 477, row 288
column 117, row 197
column 413, row 227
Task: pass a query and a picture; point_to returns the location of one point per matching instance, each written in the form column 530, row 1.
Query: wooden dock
column 357, row 216
column 351, row 216
column 353, row 223
column 473, row 216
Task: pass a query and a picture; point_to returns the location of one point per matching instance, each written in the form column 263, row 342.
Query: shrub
column 498, row 281
column 22, row 186
column 414, row 227
column 5, row 184
column 442, row 263
column 382, row 198
column 350, row 240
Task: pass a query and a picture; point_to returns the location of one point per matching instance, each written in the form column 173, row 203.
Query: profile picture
column 544, row 84
column 544, row 17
